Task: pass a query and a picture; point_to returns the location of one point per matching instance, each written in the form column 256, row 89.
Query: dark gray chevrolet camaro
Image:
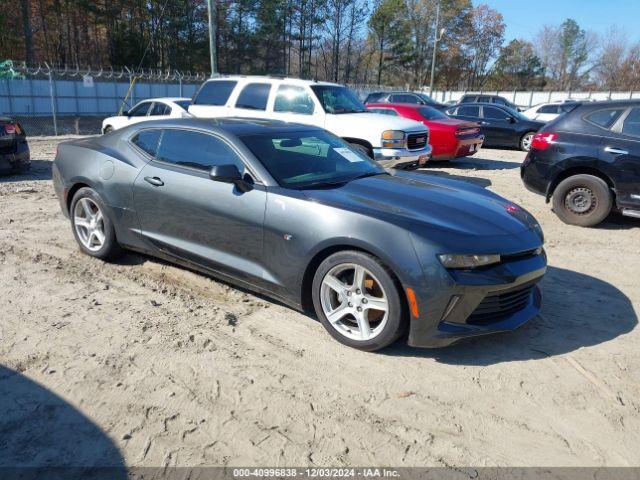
column 293, row 212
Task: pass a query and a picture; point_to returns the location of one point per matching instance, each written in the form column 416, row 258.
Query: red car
column 450, row 138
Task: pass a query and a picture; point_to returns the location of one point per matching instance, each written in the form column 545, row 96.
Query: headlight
column 468, row 261
column 393, row 139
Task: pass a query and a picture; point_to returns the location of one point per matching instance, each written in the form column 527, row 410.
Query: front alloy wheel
column 358, row 301
column 92, row 227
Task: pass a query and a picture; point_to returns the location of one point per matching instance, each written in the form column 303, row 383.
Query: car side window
column 469, row 111
column 147, row 141
column 484, row 99
column 198, row 150
column 293, row 99
column 140, row 110
column 384, row 111
column 404, row 98
column 499, row 101
column 631, row 124
column 159, row 109
column 254, row 96
column 494, row 113
column 548, row 109
column 605, row 118
column 215, row 93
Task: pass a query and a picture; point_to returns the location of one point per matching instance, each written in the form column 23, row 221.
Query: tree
column 518, row 67
column 618, row 63
column 484, row 43
column 381, row 25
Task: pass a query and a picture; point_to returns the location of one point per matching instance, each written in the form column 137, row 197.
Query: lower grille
column 417, row 141
column 499, row 305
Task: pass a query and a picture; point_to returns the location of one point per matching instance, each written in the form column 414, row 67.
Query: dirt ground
column 144, row 364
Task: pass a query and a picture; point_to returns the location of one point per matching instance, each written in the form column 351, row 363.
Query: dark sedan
column 588, row 161
column 501, row 126
column 14, row 149
column 294, row 212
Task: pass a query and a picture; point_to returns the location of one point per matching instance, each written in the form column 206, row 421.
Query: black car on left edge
column 14, row 149
column 501, row 126
column 588, row 161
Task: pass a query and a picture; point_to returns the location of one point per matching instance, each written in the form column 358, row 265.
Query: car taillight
column 543, row 140
column 463, row 132
column 9, row 128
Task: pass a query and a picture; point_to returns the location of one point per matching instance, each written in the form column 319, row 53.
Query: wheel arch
column 325, row 252
column 579, row 170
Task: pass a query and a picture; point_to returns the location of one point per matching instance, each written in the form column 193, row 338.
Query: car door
column 467, row 112
column 497, row 125
column 621, row 150
column 185, row 214
column 295, row 103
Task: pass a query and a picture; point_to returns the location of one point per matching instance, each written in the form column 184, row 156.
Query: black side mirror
column 229, row 174
column 512, row 120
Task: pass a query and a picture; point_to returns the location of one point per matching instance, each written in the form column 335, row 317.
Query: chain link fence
column 62, row 101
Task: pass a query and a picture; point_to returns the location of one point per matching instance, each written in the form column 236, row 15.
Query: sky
column 524, row 18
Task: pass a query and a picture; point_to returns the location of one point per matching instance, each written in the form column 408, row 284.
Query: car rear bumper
column 402, row 158
column 537, row 174
column 482, row 302
column 19, row 161
column 463, row 148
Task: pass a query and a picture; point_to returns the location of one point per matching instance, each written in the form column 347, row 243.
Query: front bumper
column 401, row 157
column 20, row 161
column 490, row 300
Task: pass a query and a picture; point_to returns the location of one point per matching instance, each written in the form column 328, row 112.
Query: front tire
column 358, row 301
column 92, row 228
column 526, row 140
column 583, row 200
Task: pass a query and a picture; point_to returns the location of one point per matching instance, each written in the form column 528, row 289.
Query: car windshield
column 336, row 99
column 430, row 113
column 183, row 103
column 310, row 159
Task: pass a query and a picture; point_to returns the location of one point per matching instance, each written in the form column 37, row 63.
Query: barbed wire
column 108, row 73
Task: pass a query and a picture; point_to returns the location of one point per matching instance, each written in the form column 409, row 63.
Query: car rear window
column 215, row 93
column 548, row 109
column 254, row 96
column 430, row 113
column 147, row 141
column 632, row 123
column 605, row 118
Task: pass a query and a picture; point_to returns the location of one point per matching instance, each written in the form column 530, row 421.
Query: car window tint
column 290, row 98
column 500, row 101
column 469, row 111
column 196, row 150
column 159, row 109
column 140, row 110
column 548, row 109
column 494, row 113
column 147, row 141
column 430, row 113
column 632, row 123
column 384, row 111
column 467, row 99
column 605, row 118
column 183, row 103
column 374, row 97
column 215, row 92
column 254, row 96
column 484, row 99
column 403, row 98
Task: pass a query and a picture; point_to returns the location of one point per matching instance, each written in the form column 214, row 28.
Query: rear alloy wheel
column 357, row 301
column 583, row 200
column 92, row 229
column 526, row 140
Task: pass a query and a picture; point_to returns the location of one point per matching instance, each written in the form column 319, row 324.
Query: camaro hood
column 448, row 212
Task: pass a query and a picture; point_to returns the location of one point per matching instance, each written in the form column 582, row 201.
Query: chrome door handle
column 616, row 151
column 155, row 181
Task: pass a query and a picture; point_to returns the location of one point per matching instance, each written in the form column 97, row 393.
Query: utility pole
column 212, row 35
column 436, row 37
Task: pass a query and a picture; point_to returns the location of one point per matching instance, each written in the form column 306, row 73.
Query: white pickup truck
column 392, row 141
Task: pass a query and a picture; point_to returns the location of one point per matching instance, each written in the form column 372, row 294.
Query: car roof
column 274, row 78
column 166, row 99
column 235, row 125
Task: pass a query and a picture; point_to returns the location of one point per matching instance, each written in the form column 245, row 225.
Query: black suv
column 404, row 97
column 496, row 99
column 588, row 161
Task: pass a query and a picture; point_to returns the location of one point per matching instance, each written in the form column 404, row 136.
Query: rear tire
column 525, row 141
column 583, row 200
column 362, row 298
column 92, row 227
